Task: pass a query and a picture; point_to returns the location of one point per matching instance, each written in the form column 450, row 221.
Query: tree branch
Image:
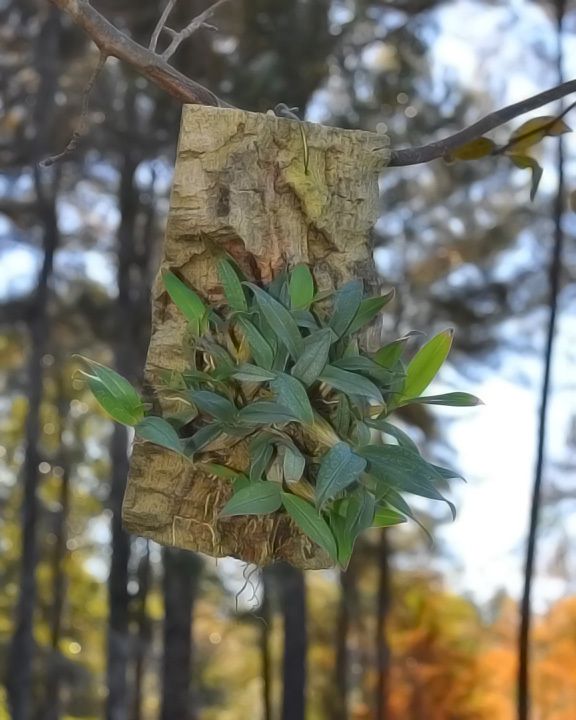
column 113, row 42
column 154, row 67
column 195, row 24
column 426, row 153
column 160, row 24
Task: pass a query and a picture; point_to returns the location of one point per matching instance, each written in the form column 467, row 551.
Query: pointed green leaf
column 424, row 366
column 187, row 301
column 350, row 383
column 260, row 455
column 158, row 431
column 259, row 498
column 279, row 319
column 305, row 319
column 262, row 353
column 391, row 353
column 265, row 413
column 232, row 286
column 293, row 464
column 214, row 405
column 385, row 517
column 400, row 436
column 343, row 540
column 399, row 468
column 453, row 399
column 365, row 366
column 311, row 523
column 360, row 511
column 346, row 304
column 253, row 373
column 222, row 471
column 340, row 468
column 301, row 287
column 314, row 356
column 114, row 393
column 201, row 439
column 368, row 310
column 292, row 394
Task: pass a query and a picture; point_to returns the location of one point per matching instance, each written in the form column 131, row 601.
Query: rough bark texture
column 240, row 187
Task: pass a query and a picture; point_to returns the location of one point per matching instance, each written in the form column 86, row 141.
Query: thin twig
column 161, row 25
column 83, row 120
column 191, row 28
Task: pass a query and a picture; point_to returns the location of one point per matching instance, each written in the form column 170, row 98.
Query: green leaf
column 279, row 319
column 311, row 523
column 404, row 470
column 158, row 431
column 259, row 498
column 368, row 310
column 292, row 394
column 343, row 540
column 201, row 439
column 390, row 354
column 253, row 373
column 114, row 393
column 385, row 517
column 343, row 416
column 346, row 304
column 232, row 286
column 360, row 511
column 423, row 367
column 301, row 287
column 260, row 455
column 396, row 501
column 472, row 150
column 294, row 464
column 314, row 356
column 400, row 436
column 214, row 405
column 222, row 471
column 340, row 468
column 365, row 366
column 260, row 348
column 350, row 383
column 264, row 412
column 187, row 301
column 305, row 319
column 453, row 399
column 447, row 473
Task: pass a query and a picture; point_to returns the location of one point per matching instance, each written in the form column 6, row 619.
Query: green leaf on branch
column 385, row 517
column 292, row 394
column 232, row 286
column 400, row 468
column 424, row 366
column 260, row 348
column 340, row 468
column 453, row 399
column 201, row 439
column 217, row 406
column 187, row 301
column 314, row 356
column 301, row 288
column 258, row 498
column 158, row 431
column 399, row 435
column 253, row 373
column 350, row 383
column 311, row 523
column 294, row 464
column 279, row 319
column 534, row 131
column 473, row 150
column 368, row 310
column 346, row 304
column 114, row 393
column 264, row 412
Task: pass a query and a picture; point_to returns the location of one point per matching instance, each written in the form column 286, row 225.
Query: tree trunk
column 53, row 671
column 382, row 610
column 240, row 187
column 143, row 633
column 293, row 601
column 21, row 650
column 181, row 580
column 266, row 615
column 126, row 356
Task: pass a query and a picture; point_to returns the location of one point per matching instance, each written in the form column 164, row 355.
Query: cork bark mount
column 241, row 187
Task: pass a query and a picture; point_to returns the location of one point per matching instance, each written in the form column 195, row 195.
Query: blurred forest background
column 94, row 623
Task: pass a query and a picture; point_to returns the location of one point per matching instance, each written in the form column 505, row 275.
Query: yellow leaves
column 473, row 150
column 533, row 131
column 529, row 134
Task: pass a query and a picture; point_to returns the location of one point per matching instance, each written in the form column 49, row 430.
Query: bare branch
column 154, row 67
column 426, row 153
column 160, row 25
column 113, row 42
column 198, row 22
column 83, row 121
